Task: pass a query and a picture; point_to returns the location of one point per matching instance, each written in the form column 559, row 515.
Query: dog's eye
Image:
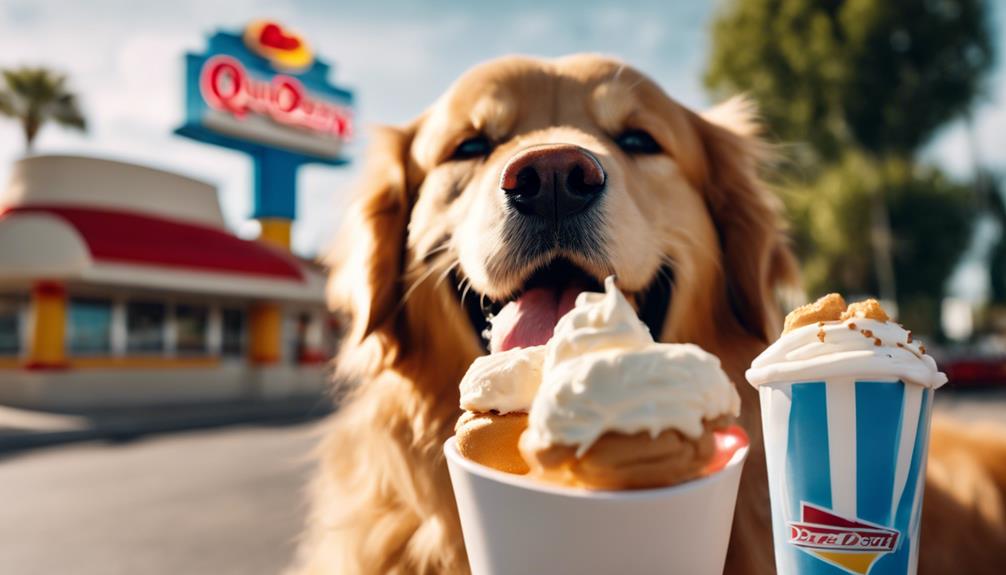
column 637, row 142
column 474, row 147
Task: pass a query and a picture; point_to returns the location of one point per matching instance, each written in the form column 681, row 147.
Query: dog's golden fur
column 382, row 500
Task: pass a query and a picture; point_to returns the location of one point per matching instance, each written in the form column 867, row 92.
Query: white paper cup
column 516, row 525
column 846, row 466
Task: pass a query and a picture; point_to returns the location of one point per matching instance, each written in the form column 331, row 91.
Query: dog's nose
column 553, row 180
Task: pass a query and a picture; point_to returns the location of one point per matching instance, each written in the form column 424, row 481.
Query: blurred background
column 889, row 118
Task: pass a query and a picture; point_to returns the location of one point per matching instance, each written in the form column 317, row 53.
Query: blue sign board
column 264, row 93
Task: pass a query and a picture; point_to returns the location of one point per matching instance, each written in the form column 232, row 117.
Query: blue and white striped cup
column 846, row 465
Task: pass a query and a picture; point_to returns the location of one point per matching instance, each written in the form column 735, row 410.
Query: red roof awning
column 129, row 237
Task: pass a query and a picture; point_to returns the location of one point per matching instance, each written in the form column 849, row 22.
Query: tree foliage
column 859, row 86
column 36, row 96
column 877, row 74
column 930, row 222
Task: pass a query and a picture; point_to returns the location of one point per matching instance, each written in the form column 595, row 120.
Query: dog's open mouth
column 528, row 316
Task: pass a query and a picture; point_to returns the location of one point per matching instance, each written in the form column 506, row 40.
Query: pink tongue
column 531, row 319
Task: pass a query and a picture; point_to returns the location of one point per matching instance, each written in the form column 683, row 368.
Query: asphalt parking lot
column 219, row 501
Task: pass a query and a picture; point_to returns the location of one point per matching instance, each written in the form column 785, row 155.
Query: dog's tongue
column 530, row 319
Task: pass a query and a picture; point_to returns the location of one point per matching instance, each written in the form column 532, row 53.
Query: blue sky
column 125, row 58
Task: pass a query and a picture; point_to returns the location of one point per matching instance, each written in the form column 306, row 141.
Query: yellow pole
column 265, row 333
column 48, row 326
column 276, row 232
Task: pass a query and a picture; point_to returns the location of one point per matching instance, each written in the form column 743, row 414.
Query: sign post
column 264, row 93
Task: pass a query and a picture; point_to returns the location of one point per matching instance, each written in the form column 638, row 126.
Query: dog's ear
column 366, row 259
column 756, row 255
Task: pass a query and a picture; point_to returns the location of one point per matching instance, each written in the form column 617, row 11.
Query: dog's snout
column 553, row 180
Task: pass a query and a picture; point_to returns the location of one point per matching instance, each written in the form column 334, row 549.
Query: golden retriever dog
column 553, row 174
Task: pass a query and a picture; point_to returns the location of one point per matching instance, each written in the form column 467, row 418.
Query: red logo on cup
column 853, row 545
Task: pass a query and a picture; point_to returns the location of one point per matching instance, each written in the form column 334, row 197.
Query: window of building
column 233, row 336
column 145, row 326
column 10, row 326
column 191, row 322
column 90, row 326
column 298, row 339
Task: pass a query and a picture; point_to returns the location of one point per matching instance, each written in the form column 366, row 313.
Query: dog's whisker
column 415, row 285
column 468, row 286
column 447, row 272
column 442, row 247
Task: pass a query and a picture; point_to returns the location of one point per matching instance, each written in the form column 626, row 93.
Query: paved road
column 220, row 502
column 217, row 502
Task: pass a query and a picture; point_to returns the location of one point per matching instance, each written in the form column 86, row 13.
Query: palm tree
column 34, row 96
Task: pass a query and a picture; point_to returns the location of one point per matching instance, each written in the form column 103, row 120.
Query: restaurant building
column 120, row 284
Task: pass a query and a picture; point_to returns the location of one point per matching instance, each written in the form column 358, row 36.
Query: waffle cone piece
column 620, row 461
column 491, row 439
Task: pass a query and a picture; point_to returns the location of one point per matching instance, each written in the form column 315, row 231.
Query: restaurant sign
column 263, row 91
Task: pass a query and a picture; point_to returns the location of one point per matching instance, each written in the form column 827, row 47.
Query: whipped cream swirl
column 598, row 322
column 603, row 372
column 861, row 348
column 504, row 381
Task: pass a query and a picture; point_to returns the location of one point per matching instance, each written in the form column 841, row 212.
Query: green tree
column 877, row 74
column 931, row 221
column 860, row 86
column 35, row 96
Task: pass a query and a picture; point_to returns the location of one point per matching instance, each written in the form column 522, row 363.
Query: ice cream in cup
column 496, row 394
column 632, row 458
column 846, row 398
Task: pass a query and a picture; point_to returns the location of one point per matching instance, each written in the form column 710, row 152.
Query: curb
column 125, row 427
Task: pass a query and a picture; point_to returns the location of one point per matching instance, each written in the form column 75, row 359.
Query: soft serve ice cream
column 503, row 382
column 827, row 339
column 496, row 394
column 610, row 407
column 605, row 373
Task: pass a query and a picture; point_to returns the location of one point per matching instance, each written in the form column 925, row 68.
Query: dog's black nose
column 553, row 180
